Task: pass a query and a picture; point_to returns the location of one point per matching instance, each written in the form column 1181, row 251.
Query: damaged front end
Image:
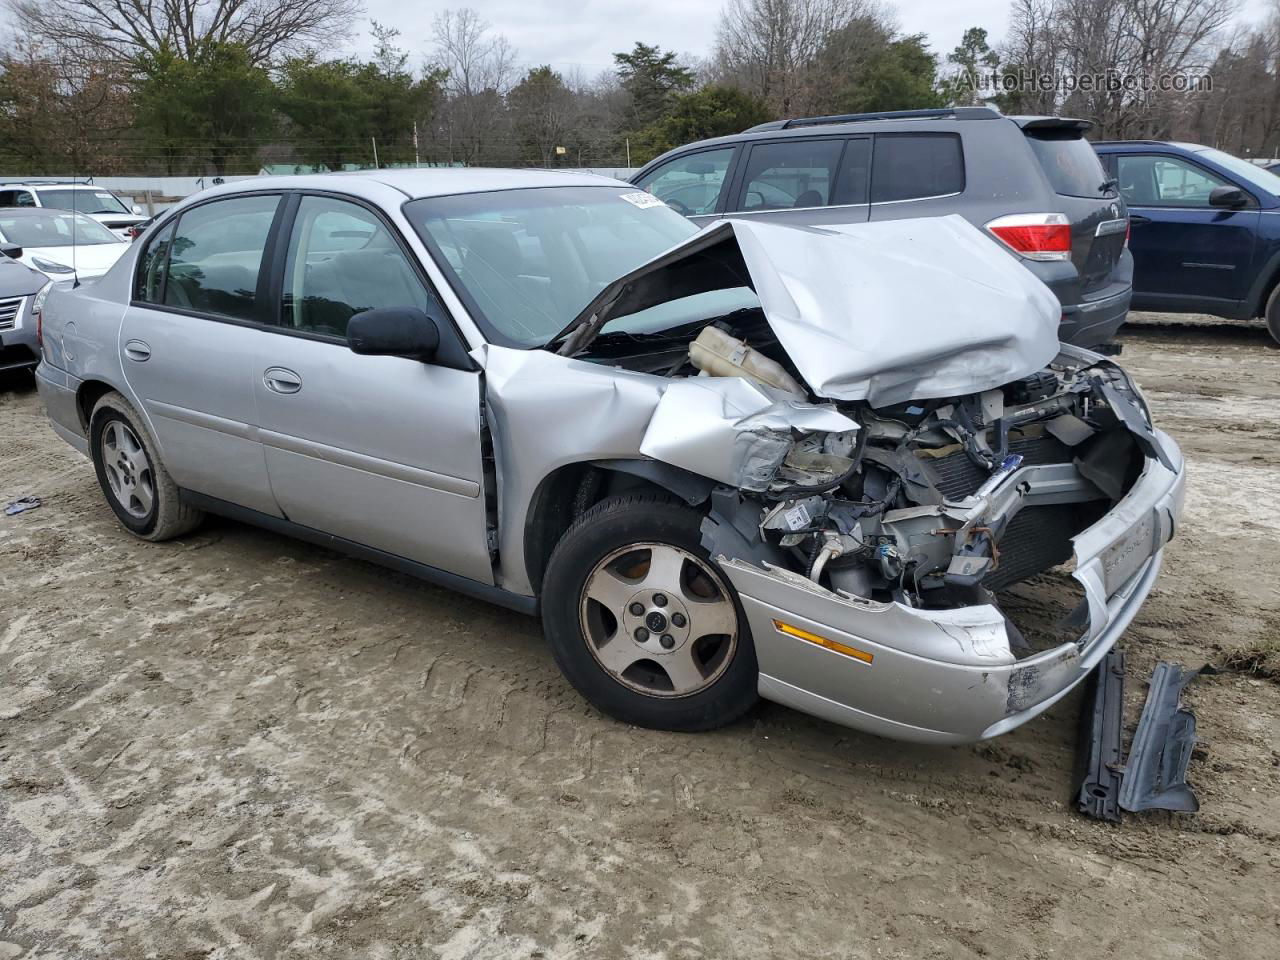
column 882, row 528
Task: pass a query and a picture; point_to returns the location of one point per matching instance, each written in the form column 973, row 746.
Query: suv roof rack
column 46, row 181
column 947, row 113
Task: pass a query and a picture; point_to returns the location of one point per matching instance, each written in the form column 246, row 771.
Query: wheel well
column 564, row 495
column 1263, row 286
column 90, row 392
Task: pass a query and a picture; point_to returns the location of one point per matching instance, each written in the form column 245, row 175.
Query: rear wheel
column 642, row 621
column 1273, row 314
column 135, row 483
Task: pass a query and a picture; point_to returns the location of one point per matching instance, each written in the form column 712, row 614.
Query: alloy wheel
column 128, row 469
column 659, row 620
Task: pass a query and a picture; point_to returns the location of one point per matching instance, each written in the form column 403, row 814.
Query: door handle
column 1137, row 218
column 281, row 380
column 137, row 350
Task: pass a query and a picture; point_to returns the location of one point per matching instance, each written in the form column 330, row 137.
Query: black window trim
column 275, row 251
column 964, row 172
column 1254, row 203
column 745, row 161
column 730, row 173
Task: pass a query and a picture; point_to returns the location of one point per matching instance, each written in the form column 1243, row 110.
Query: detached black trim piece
column 1101, row 747
column 1155, row 776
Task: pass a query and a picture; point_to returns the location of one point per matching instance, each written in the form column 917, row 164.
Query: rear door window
column 911, row 166
column 1070, row 164
column 790, row 175
column 216, row 256
column 855, row 168
column 690, row 185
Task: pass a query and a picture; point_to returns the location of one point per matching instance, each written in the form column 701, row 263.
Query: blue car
column 1204, row 229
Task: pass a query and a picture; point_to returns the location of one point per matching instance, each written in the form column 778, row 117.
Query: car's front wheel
column 642, row 621
column 137, row 486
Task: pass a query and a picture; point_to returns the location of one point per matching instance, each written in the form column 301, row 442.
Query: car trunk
column 1077, row 177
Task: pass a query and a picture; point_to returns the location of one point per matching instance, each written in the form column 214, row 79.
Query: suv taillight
column 1036, row 236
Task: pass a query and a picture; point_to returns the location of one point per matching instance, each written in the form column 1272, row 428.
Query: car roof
column 60, row 184
column 418, row 183
column 899, row 121
column 1177, row 144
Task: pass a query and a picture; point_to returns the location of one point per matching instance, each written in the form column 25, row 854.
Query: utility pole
column 415, row 143
column 628, row 153
column 374, row 141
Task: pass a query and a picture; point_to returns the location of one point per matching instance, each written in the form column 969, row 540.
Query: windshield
column 526, row 262
column 53, row 228
column 1250, row 172
column 85, row 201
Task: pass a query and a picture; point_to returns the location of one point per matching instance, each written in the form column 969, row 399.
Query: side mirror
column 395, row 332
column 11, row 250
column 137, row 210
column 1231, row 197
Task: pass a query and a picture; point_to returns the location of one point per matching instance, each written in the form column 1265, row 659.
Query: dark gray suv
column 1032, row 183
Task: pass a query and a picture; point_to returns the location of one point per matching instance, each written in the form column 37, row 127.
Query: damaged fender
column 731, row 430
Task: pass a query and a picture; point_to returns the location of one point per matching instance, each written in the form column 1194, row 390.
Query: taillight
column 1036, row 236
column 1128, row 229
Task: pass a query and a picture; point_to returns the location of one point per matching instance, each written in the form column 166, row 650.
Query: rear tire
column 1273, row 314
column 643, row 623
column 134, row 481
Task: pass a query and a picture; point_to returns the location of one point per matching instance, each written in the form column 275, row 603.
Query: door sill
column 465, row 585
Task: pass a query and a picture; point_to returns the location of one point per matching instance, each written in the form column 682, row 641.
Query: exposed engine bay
column 932, row 504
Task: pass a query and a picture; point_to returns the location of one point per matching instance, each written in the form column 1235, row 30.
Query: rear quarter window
column 1069, row 162
column 912, row 166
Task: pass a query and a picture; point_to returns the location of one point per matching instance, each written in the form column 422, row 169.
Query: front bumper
column 949, row 676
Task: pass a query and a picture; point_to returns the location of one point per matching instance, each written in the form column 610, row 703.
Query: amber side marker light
column 824, row 642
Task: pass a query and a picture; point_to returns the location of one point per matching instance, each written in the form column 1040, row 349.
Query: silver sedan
column 747, row 460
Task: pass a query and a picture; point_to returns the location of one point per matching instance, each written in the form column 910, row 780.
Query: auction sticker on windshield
column 642, row 199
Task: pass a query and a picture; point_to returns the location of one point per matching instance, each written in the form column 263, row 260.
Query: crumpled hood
column 883, row 312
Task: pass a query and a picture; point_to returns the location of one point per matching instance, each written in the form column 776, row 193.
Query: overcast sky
column 586, row 33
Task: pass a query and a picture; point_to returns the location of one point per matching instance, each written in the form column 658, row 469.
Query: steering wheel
column 679, row 207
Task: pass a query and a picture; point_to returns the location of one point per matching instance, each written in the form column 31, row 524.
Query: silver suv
column 83, row 197
column 752, row 460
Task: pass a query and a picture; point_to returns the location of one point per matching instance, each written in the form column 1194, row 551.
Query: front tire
column 643, row 623
column 134, row 481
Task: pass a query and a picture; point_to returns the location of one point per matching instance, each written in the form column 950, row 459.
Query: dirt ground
column 240, row 746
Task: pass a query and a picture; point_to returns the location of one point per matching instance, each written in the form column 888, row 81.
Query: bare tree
column 770, row 47
column 1136, row 42
column 481, row 68
column 123, row 30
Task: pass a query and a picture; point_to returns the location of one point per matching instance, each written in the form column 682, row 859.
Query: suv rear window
column 1069, row 162
column 910, row 166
